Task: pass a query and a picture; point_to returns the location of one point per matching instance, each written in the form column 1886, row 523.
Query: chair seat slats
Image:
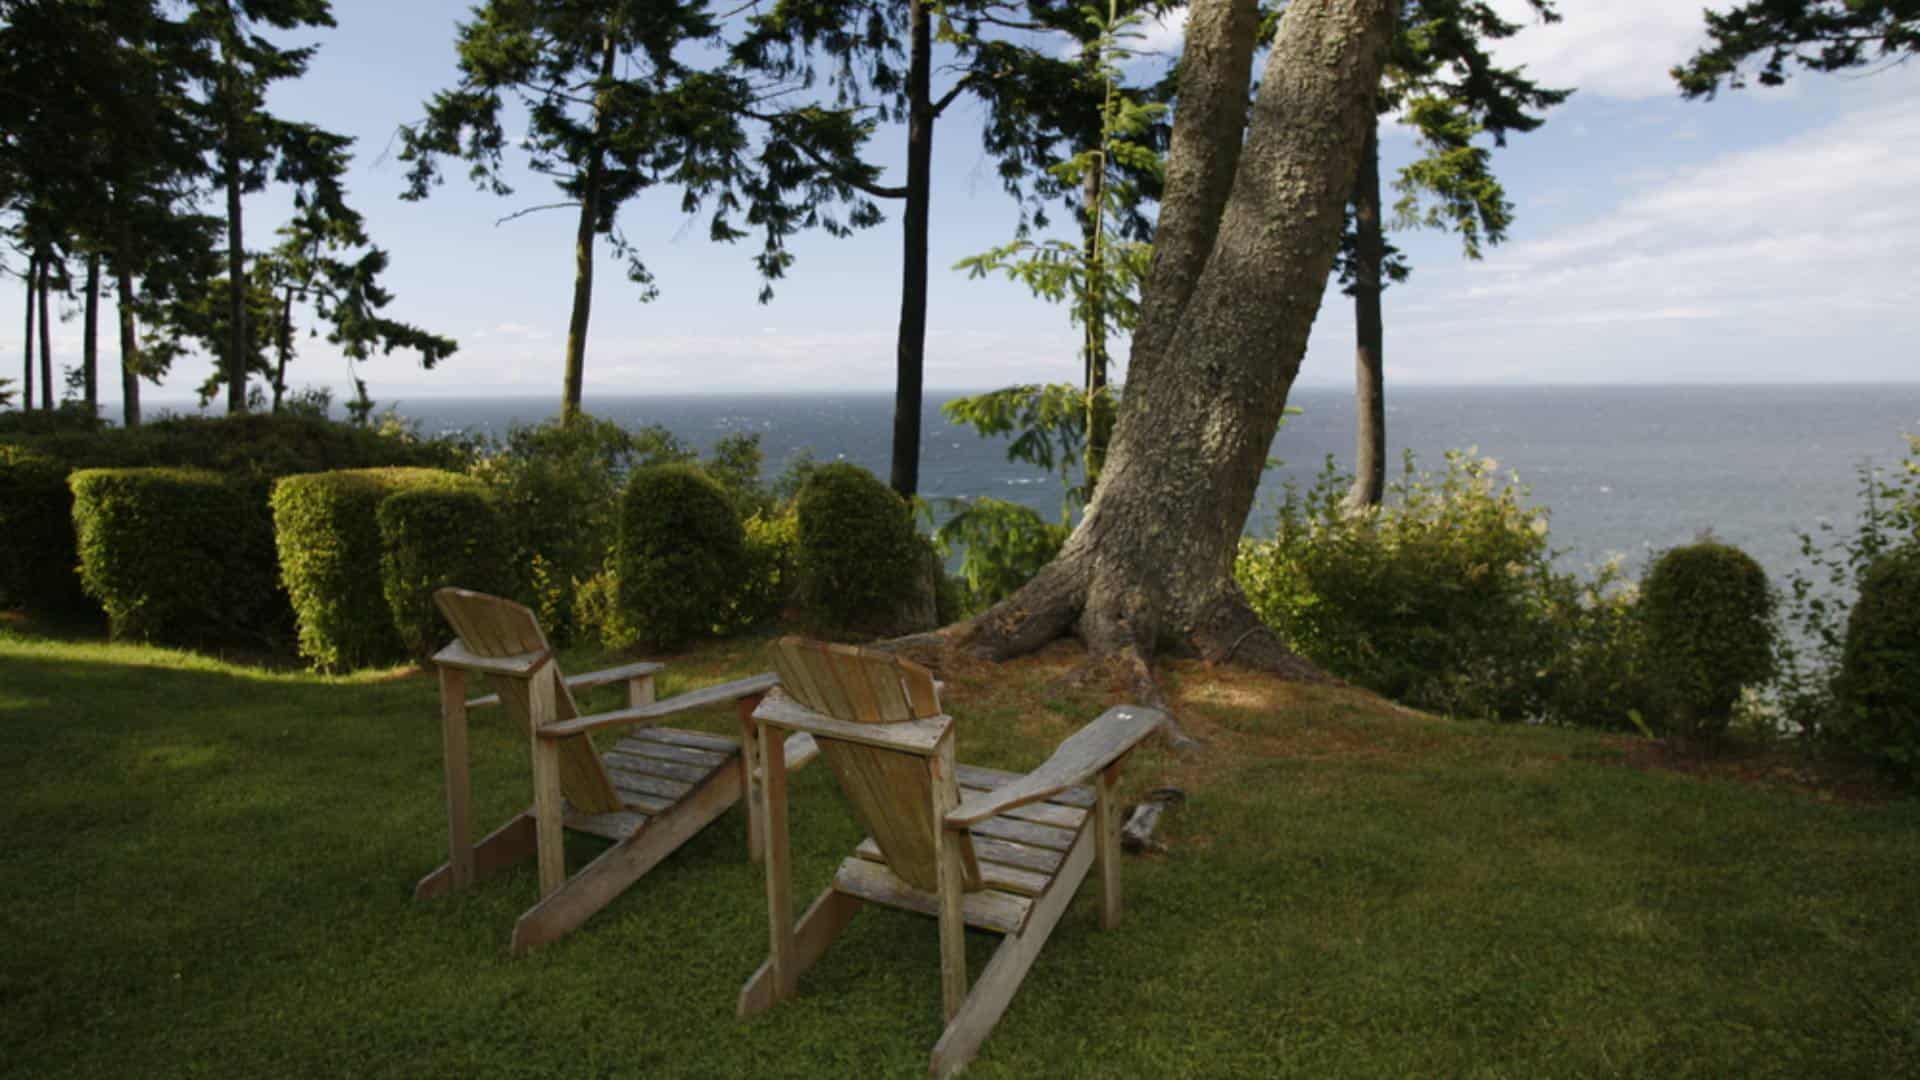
column 666, row 751
column 699, row 740
column 615, row 826
column 973, row 776
column 1026, row 832
column 648, row 765
column 987, row 909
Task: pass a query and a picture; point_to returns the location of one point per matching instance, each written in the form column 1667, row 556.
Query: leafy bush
column 1443, row 597
column 1812, row 639
column 860, row 557
column 327, row 529
column 558, row 487
column 175, row 555
column 681, row 554
column 37, row 553
column 1708, row 614
column 432, row 537
column 251, row 449
column 767, row 578
column 1004, row 544
column 1879, row 681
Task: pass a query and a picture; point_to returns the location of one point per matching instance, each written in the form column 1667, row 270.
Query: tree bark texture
column 1369, row 379
column 90, row 338
column 1246, row 240
column 570, row 394
column 129, row 350
column 910, row 353
column 46, row 334
column 236, row 295
column 32, row 279
column 285, row 349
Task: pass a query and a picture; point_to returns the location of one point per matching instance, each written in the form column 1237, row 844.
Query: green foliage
column 327, row 529
column 1812, row 637
column 1443, row 597
column 734, row 464
column 1005, row 544
column 558, row 490
column 175, row 555
column 1878, row 685
column 433, row 536
column 1048, row 423
column 1819, row 35
column 771, row 557
column 1709, row 633
column 252, row 450
column 860, row 555
column 37, row 554
column 681, row 555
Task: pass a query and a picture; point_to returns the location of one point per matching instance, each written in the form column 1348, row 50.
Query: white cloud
column 1609, row 48
column 1788, row 261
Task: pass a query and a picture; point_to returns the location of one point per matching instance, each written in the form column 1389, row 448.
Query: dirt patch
column 1838, row 779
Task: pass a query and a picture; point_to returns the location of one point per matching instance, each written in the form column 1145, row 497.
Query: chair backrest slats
column 893, row 792
column 492, row 627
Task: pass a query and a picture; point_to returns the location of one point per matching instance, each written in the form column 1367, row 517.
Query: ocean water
column 1623, row 470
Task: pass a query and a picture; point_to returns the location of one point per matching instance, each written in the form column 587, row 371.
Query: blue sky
column 1766, row 236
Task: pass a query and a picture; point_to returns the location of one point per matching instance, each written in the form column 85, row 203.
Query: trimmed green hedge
column 37, row 554
column 1708, row 613
column 860, row 557
column 1879, row 681
column 175, row 555
column 430, row 537
column 327, row 529
column 681, row 555
column 39, row 569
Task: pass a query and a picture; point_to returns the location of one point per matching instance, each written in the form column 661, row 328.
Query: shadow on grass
column 209, row 870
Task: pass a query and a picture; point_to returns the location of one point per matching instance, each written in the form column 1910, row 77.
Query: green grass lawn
column 208, row 870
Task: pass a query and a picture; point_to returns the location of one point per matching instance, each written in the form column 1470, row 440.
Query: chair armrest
column 1084, row 753
column 656, row 711
column 591, row 679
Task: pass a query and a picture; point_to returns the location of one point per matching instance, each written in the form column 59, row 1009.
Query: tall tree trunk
column 90, row 337
column 1247, row 236
column 1369, row 383
column 46, row 334
column 1094, row 323
column 129, row 349
column 32, row 280
column 583, row 246
column 284, row 348
column 236, row 295
column 910, row 355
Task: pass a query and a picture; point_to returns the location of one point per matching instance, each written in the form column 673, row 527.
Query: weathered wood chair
column 973, row 847
column 649, row 794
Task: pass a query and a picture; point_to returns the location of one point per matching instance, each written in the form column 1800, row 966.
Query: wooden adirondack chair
column 973, row 847
column 649, row 794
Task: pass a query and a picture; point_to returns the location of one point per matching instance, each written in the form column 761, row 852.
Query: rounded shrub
column 860, row 558
column 1879, row 681
column 38, row 560
column 327, row 529
column 767, row 579
column 1708, row 633
column 680, row 555
column 446, row 533
column 175, row 555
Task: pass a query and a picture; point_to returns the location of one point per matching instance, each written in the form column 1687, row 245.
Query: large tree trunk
column 236, row 295
column 583, row 248
column 46, row 334
column 32, row 279
column 1369, row 381
column 1246, row 238
column 911, row 350
column 90, row 338
column 129, row 350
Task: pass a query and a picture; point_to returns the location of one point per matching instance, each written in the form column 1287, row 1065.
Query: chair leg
column 503, row 847
column 618, row 867
column 822, row 923
column 750, row 771
column 990, row 995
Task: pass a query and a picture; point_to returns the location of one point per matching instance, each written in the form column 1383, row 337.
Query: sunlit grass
column 208, row 870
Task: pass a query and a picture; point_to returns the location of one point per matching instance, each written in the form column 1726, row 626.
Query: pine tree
column 1818, row 35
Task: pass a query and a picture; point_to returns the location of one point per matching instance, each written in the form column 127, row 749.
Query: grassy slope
column 207, row 870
